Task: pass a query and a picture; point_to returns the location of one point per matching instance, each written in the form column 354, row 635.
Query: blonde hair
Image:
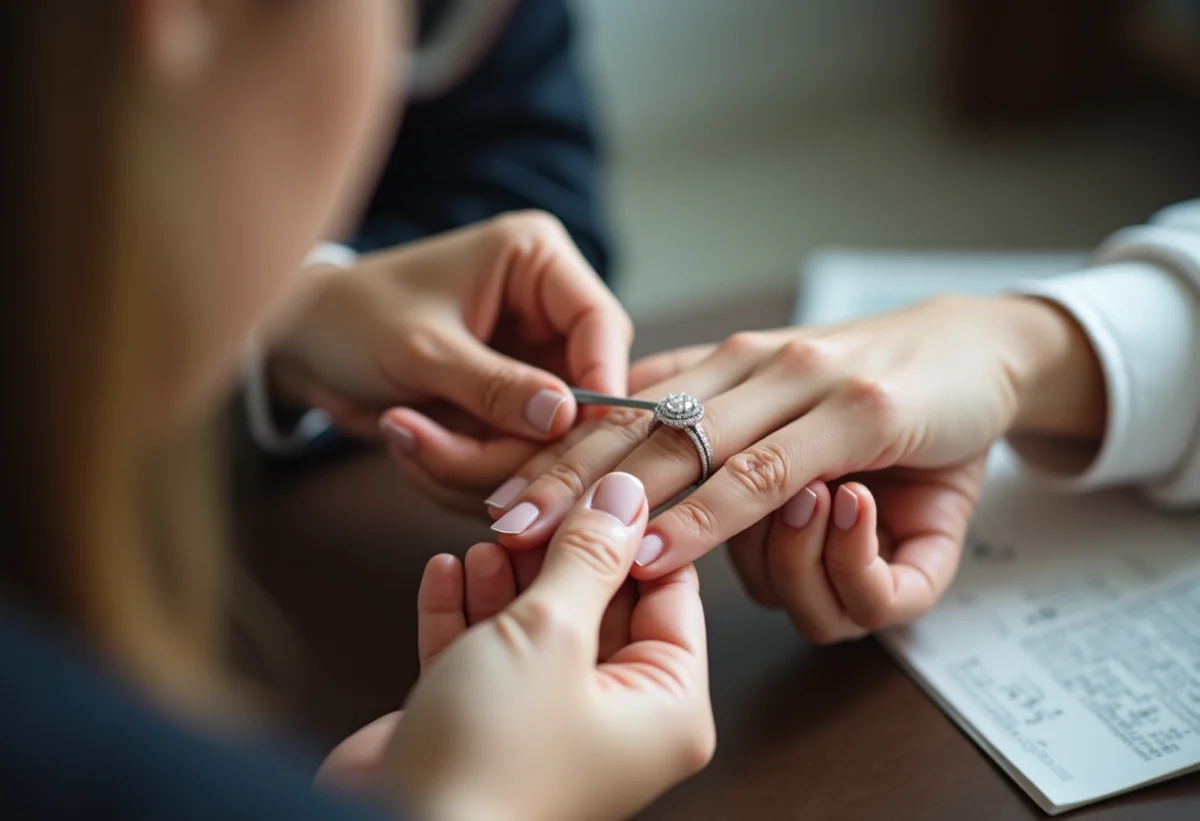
column 116, row 545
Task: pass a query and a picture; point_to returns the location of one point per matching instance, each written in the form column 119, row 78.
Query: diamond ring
column 684, row 412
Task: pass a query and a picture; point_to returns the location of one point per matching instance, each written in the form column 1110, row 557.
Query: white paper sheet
column 1068, row 646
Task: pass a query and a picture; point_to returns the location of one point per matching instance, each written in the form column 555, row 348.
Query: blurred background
column 744, row 135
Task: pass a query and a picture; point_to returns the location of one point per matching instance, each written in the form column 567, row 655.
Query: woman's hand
column 880, row 426
column 492, row 320
column 514, row 716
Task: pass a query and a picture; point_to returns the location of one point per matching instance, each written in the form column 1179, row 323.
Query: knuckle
column 742, row 345
column 698, row 517
column 954, row 304
column 491, row 392
column 625, row 325
column 802, row 356
column 843, row 565
column 673, row 447
column 626, row 422
column 594, row 548
column 535, row 620
column 422, row 345
column 529, row 223
column 877, row 403
column 700, row 745
column 762, row 469
column 566, row 476
column 875, row 397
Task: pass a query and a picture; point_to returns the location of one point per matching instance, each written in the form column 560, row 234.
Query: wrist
column 303, row 291
column 1058, row 380
column 284, row 371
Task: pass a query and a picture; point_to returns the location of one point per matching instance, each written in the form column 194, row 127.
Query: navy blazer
column 516, row 133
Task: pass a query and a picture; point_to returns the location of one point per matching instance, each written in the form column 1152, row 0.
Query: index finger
column 580, row 307
column 454, row 459
column 598, row 350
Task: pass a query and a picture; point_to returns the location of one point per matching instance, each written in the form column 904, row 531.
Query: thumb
column 506, row 394
column 590, row 555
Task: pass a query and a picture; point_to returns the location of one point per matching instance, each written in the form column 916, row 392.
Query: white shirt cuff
column 1144, row 323
column 260, row 417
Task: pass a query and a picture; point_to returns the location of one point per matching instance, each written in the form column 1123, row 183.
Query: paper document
column 1068, row 646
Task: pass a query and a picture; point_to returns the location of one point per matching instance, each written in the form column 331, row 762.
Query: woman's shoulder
column 75, row 741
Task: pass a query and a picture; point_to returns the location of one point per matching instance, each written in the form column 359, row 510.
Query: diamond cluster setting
column 678, row 410
column 683, row 412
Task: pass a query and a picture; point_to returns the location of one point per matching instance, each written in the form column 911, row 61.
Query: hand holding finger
column 796, row 554
column 589, row 557
column 878, row 591
column 825, row 443
column 453, row 459
column 666, row 461
column 503, row 392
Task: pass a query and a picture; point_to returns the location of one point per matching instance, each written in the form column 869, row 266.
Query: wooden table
column 804, row 732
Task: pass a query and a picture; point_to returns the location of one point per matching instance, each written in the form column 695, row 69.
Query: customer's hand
column 493, row 320
column 513, row 717
column 893, row 415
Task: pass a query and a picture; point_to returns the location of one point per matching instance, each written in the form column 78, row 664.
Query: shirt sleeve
column 1140, row 309
column 269, row 432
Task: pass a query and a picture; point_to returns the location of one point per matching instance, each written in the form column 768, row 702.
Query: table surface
column 804, row 732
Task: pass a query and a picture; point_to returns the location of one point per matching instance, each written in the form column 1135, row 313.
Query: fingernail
column 401, row 438
column 516, row 520
column 489, row 563
column 798, row 511
column 649, row 550
column 503, row 496
column 619, row 495
column 542, row 407
column 845, row 509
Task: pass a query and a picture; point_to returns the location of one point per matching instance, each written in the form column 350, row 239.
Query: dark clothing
column 517, row 133
column 77, row 743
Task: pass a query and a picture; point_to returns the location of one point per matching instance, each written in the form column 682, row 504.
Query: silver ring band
column 684, row 412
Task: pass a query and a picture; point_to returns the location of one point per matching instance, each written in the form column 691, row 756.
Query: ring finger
column 534, row 512
column 667, row 462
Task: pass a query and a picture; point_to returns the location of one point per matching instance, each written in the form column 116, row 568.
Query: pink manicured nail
column 649, row 550
column 845, row 509
column 516, row 520
column 504, row 495
column 798, row 511
column 401, row 438
column 542, row 407
column 619, row 495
